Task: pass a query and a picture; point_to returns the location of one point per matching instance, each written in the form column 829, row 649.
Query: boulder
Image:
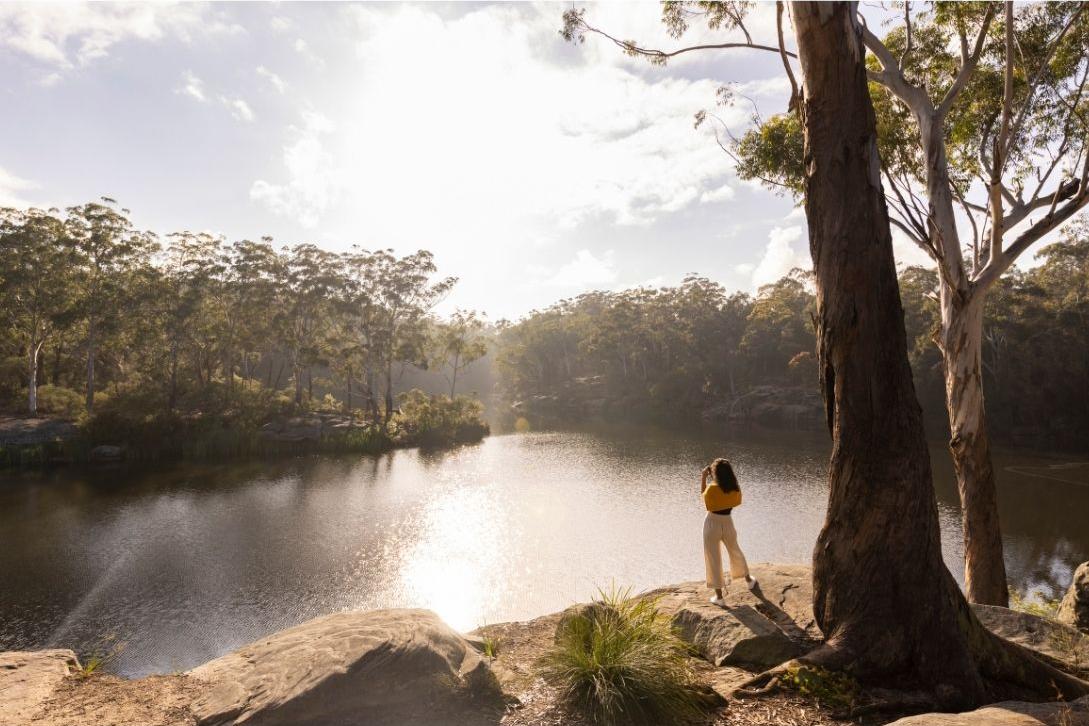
column 27, row 679
column 756, row 629
column 1036, row 633
column 1074, row 609
column 1008, row 713
column 377, row 667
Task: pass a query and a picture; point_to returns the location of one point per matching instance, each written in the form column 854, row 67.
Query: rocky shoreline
column 408, row 667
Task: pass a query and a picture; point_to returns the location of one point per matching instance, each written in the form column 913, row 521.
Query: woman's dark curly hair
column 724, row 476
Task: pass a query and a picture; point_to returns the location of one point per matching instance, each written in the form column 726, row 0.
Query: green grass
column 108, row 649
column 1034, row 603
column 489, row 643
column 619, row 661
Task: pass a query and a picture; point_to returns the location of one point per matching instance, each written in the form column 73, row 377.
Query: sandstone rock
column 1008, row 713
column 758, row 629
column 1036, row 633
column 1074, row 609
column 378, row 667
column 29, row 678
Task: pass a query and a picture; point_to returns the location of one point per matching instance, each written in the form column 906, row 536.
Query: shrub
column 619, row 661
column 440, row 420
column 60, row 401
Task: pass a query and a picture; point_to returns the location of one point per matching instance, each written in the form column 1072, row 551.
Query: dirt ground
column 105, row 700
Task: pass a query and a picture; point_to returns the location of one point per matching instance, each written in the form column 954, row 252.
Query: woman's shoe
column 716, row 600
column 751, row 582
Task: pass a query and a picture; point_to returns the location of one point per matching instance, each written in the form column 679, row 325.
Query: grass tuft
column 106, row 651
column 618, row 660
column 1034, row 603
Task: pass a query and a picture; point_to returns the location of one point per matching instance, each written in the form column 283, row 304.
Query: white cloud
column 239, row 108
column 280, row 24
column 69, row 34
column 11, row 188
column 314, row 183
column 775, row 87
column 193, row 87
column 276, row 82
column 745, row 268
column 531, row 144
column 585, row 271
column 303, row 49
column 780, row 256
column 723, row 193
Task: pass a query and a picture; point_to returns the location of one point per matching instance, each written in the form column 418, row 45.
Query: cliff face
column 401, row 667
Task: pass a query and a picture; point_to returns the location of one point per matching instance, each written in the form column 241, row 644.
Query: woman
column 719, row 498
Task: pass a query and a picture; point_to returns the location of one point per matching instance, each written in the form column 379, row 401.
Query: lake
column 169, row 568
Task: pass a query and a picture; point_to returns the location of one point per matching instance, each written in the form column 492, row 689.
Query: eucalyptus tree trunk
column 33, row 351
column 454, row 374
column 91, row 330
column 889, row 609
column 961, row 341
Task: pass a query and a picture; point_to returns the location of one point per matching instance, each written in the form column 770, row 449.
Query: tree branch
column 892, row 77
column 969, row 59
column 1026, row 239
column 655, row 54
column 792, row 105
column 998, row 155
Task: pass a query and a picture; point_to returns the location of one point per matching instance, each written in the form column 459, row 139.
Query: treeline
column 671, row 355
column 99, row 316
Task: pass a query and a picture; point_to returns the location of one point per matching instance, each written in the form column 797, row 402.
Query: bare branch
column 892, row 77
column 1039, row 74
column 907, row 27
column 998, row 155
column 969, row 59
column 1033, row 234
column 792, row 105
column 657, row 55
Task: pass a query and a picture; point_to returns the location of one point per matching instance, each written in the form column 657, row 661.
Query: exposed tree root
column 765, row 683
column 1008, row 670
column 891, row 702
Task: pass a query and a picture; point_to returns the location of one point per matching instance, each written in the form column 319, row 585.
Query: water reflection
column 185, row 564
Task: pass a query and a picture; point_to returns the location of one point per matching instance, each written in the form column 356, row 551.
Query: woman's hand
column 703, row 478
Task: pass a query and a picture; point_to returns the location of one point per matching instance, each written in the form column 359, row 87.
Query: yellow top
column 715, row 499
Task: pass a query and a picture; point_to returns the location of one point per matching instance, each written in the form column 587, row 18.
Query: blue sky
column 533, row 169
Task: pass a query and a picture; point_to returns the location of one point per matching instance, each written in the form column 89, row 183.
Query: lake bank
column 408, row 667
column 434, row 421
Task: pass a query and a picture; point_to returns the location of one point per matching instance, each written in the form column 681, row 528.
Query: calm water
column 185, row 564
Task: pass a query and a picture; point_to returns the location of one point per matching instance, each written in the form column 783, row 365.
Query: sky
column 533, row 168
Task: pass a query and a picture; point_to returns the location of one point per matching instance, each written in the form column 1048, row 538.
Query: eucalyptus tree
column 395, row 296
column 889, row 610
column 251, row 271
column 458, row 342
column 36, row 275
column 983, row 118
column 108, row 249
column 192, row 270
column 311, row 276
